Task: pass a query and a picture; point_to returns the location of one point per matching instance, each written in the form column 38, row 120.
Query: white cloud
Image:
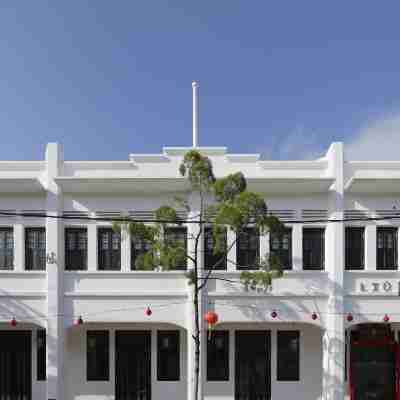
column 378, row 139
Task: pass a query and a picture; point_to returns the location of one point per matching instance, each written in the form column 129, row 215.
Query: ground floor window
column 41, row 354
column 288, row 348
column 218, row 356
column 97, row 359
column 168, row 356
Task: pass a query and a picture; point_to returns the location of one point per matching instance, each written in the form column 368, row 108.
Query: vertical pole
column 195, row 87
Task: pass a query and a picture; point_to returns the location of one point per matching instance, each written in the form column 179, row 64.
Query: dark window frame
column 285, row 255
column 138, row 247
column 6, row 248
column 247, row 253
column 283, row 373
column 214, row 261
column 169, row 360
column 354, row 248
column 35, row 258
column 94, row 371
column 219, row 372
column 386, row 257
column 77, row 257
column 109, row 259
column 311, row 252
column 41, row 349
column 174, row 232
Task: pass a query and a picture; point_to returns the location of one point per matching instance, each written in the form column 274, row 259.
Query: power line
column 184, row 221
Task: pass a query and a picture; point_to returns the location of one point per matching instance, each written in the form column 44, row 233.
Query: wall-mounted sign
column 51, row 258
column 379, row 287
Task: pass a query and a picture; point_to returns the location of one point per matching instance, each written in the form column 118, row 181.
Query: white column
column 92, row 246
column 297, row 247
column 19, row 245
column 333, row 353
column 333, row 385
column 125, row 248
column 55, row 275
column 264, row 246
column 370, row 247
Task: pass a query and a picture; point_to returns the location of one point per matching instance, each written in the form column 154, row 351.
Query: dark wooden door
column 132, row 365
column 15, row 365
column 252, row 365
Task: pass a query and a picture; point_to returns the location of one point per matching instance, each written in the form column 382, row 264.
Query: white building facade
column 75, row 320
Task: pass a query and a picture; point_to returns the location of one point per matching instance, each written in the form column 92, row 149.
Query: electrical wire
column 185, row 221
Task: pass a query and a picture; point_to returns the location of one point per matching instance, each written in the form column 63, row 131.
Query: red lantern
column 79, row 321
column 386, row 318
column 274, row 314
column 212, row 318
column 13, row 322
column 148, row 311
column 349, row 317
column 314, row 316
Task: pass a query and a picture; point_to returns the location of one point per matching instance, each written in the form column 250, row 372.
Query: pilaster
column 55, row 272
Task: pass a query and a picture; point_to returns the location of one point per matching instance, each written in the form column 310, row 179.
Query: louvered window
column 109, row 249
column 354, row 237
column 177, row 237
column 386, row 251
column 212, row 260
column 6, row 248
column 313, row 248
column 281, row 247
column 75, row 249
column 35, row 249
column 248, row 249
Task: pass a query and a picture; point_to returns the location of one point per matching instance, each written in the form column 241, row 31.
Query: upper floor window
column 218, row 356
column 109, row 249
column 288, row 345
column 386, row 252
column 35, row 249
column 313, row 248
column 6, row 248
column 75, row 249
column 281, row 247
column 213, row 260
column 177, row 236
column 248, row 249
column 354, row 241
column 139, row 247
column 168, row 356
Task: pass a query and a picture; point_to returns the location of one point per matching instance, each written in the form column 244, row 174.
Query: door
column 252, row 365
column 15, row 365
column 132, row 365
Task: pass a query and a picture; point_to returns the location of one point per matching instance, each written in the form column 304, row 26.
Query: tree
column 223, row 203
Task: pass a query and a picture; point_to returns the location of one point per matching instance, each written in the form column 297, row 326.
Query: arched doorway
column 374, row 360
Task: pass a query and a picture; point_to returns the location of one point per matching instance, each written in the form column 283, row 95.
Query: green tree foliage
column 224, row 203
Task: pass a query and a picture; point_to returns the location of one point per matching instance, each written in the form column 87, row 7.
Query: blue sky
column 279, row 78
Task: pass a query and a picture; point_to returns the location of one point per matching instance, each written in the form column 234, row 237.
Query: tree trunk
column 197, row 338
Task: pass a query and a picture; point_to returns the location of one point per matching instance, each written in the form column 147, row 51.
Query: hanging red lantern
column 274, row 314
column 314, row 316
column 148, row 311
column 212, row 318
column 79, row 321
column 13, row 322
column 349, row 317
column 386, row 318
